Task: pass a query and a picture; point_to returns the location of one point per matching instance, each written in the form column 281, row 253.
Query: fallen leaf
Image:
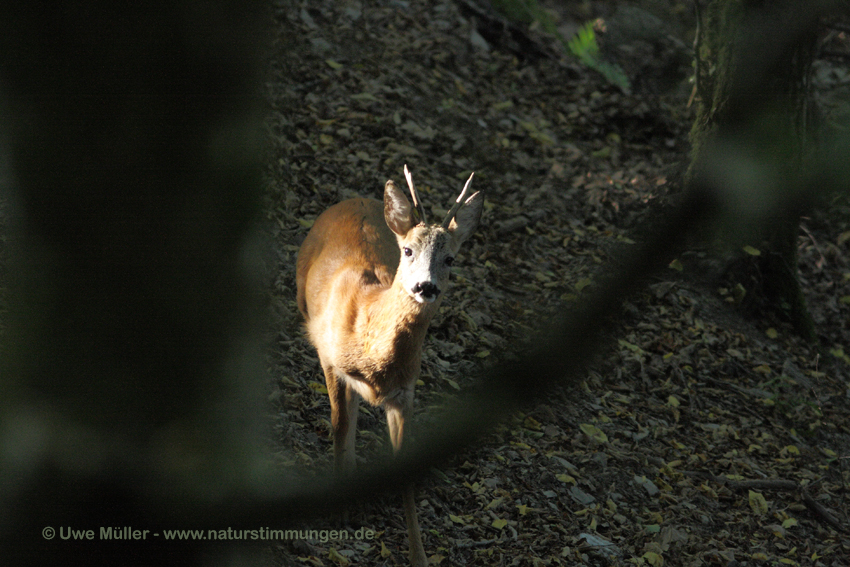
column 758, row 503
column 594, row 432
column 566, row 478
column 335, row 556
column 647, row 485
column 369, row 97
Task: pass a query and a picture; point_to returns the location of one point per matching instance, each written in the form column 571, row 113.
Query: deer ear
column 466, row 219
column 397, row 209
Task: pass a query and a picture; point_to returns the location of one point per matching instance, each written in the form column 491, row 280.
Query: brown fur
column 375, row 330
column 366, row 326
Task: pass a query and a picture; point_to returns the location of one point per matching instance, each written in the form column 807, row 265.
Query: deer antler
column 417, row 204
column 460, row 200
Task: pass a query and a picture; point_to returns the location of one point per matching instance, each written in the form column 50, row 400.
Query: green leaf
column 336, row 557
column 583, row 44
column 758, row 504
column 583, row 283
column 593, row 432
column 364, row 96
column 789, row 523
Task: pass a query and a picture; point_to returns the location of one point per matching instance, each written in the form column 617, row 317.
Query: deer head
column 428, row 251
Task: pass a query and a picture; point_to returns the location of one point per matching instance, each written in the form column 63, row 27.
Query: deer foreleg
column 396, row 415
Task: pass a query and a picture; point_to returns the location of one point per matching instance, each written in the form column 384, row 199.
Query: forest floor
column 707, row 436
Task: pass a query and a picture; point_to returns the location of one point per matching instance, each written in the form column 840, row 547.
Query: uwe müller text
column 117, row 533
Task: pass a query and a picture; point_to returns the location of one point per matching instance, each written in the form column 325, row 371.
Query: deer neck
column 395, row 325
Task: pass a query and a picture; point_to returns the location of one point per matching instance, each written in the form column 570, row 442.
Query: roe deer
column 370, row 278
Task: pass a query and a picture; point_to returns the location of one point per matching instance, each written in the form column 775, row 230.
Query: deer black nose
column 426, row 289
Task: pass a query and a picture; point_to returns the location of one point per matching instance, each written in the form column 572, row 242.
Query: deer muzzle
column 425, row 292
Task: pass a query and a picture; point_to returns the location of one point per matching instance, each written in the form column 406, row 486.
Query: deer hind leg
column 397, row 411
column 345, row 405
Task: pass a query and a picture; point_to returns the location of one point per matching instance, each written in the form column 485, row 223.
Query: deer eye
column 449, row 260
column 407, row 251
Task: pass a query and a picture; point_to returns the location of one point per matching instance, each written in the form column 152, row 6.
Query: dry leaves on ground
column 649, row 463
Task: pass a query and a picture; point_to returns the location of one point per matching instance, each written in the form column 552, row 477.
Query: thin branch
column 471, row 544
column 777, row 484
column 763, row 484
column 557, row 357
column 822, row 512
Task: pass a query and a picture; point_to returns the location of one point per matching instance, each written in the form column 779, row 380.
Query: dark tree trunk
column 134, row 142
column 752, row 86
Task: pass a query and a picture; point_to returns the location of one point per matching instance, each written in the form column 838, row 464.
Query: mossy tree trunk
column 755, row 63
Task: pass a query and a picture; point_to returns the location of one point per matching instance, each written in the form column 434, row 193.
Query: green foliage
column 583, row 45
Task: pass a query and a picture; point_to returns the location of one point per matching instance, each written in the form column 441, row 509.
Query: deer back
column 349, row 240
